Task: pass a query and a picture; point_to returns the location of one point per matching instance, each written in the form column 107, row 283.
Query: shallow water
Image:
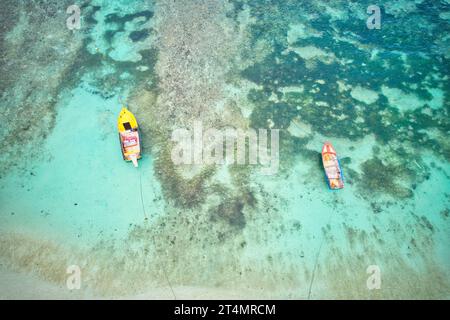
column 311, row 69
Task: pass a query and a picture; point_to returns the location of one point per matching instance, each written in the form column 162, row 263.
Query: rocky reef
column 34, row 68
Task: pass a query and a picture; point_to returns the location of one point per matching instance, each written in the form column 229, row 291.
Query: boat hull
column 332, row 167
column 129, row 136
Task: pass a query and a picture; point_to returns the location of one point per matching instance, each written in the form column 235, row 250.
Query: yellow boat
column 129, row 136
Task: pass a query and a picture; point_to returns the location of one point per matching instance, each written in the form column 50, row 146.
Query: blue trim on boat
column 340, row 169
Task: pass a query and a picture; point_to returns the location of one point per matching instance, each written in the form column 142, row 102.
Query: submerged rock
column 35, row 66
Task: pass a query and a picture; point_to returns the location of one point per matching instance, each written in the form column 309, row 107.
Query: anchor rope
column 146, row 219
column 142, row 197
column 317, row 259
column 170, row 285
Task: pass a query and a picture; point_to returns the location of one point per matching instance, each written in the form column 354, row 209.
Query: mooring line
column 317, row 259
column 142, row 196
column 145, row 216
column 168, row 281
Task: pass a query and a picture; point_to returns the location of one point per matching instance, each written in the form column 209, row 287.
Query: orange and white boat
column 332, row 166
column 129, row 136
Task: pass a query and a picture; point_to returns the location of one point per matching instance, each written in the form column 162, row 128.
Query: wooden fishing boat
column 129, row 136
column 333, row 171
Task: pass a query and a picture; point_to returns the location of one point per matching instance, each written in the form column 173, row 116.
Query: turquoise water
column 311, row 69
